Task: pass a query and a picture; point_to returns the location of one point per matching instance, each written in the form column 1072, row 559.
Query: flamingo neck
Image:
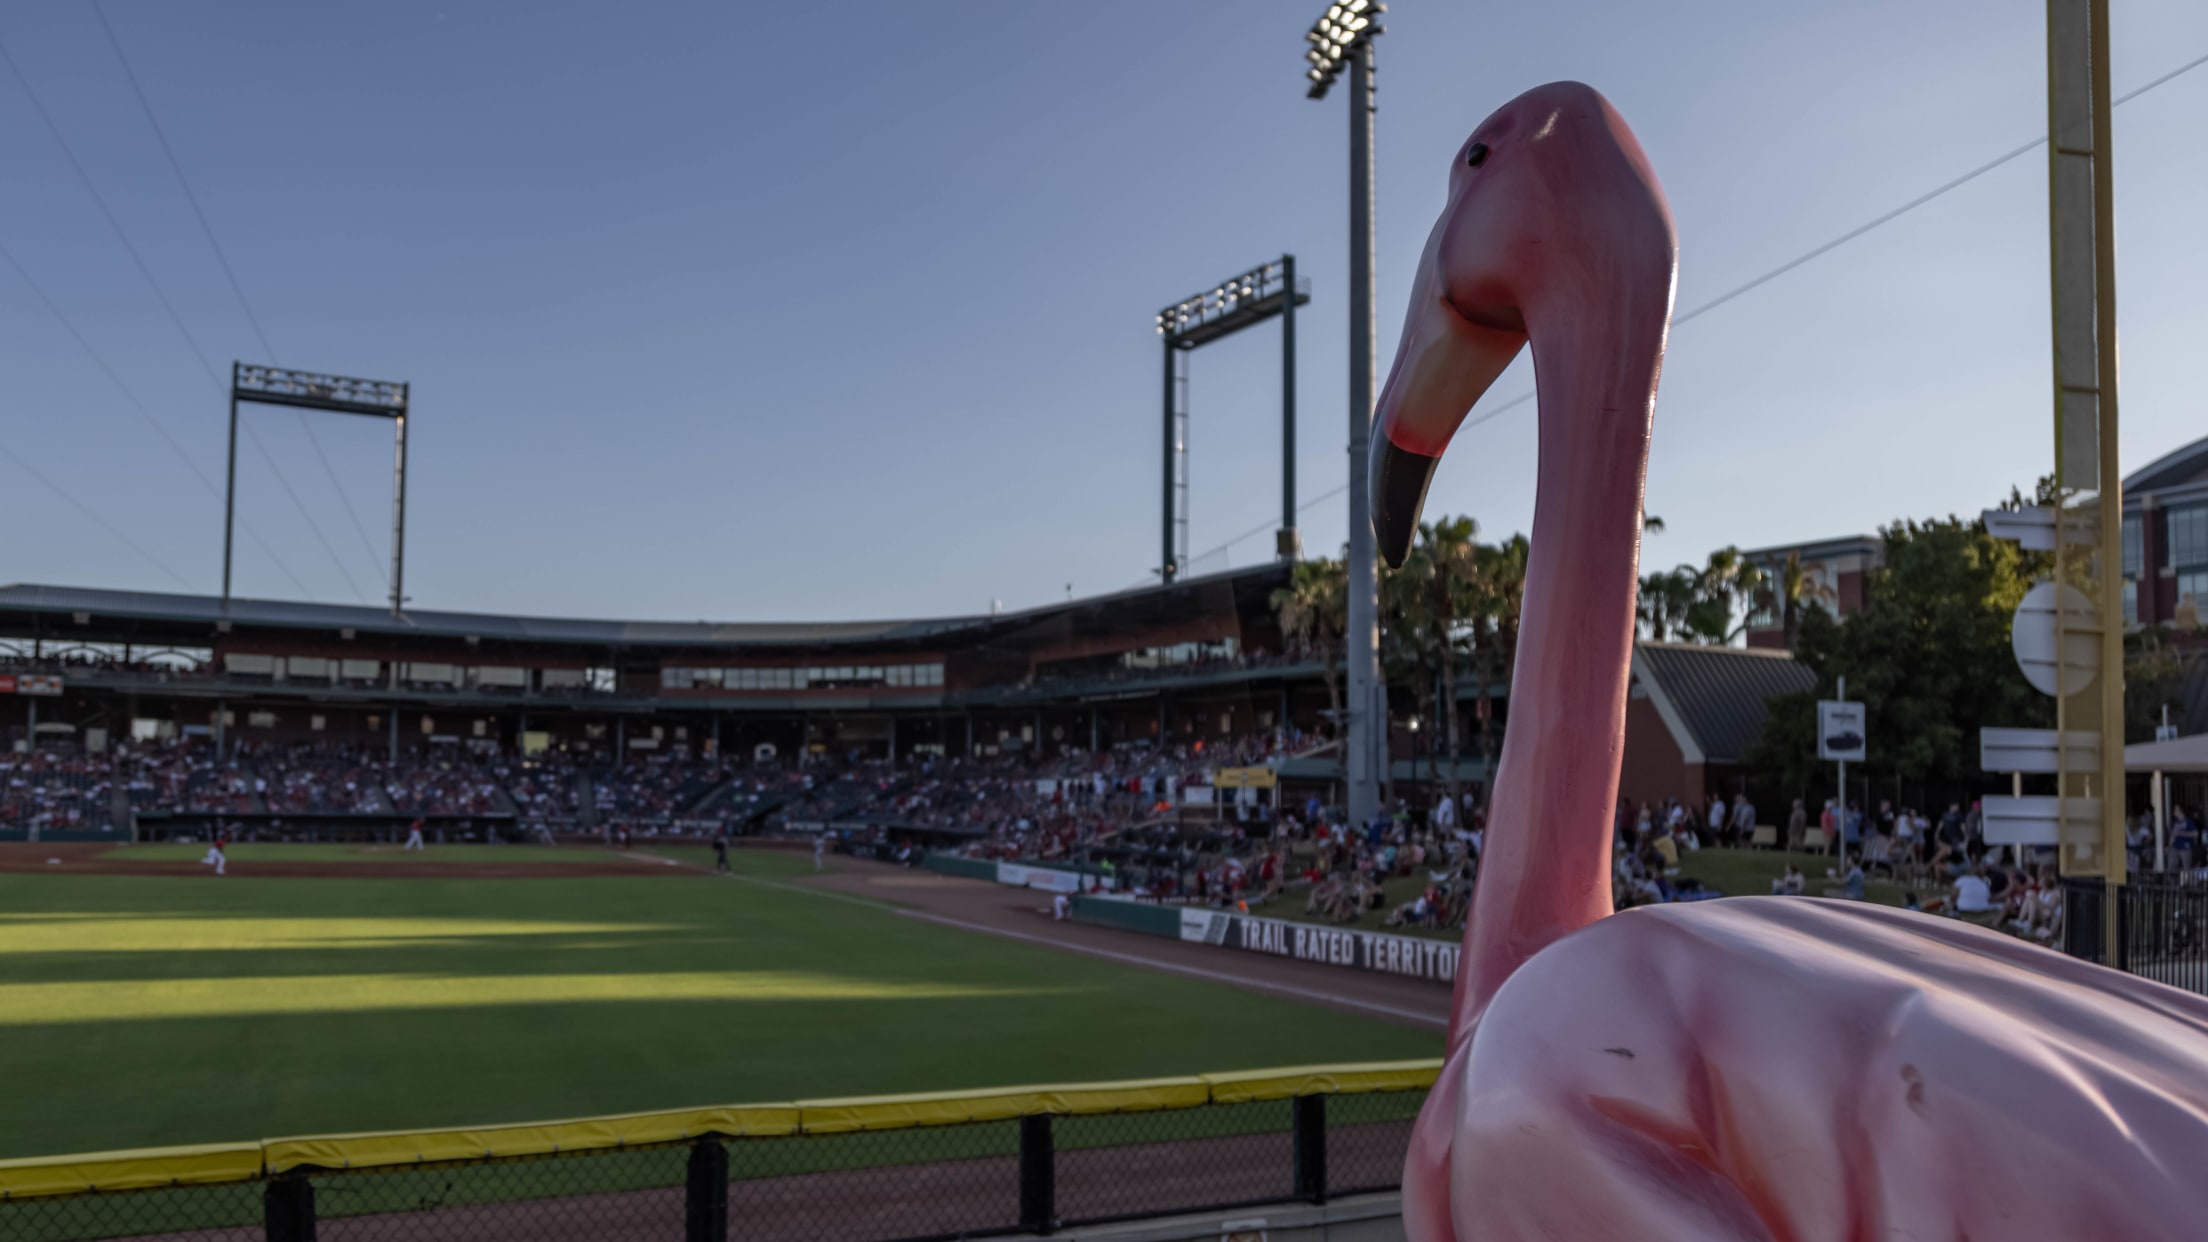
column 1545, row 861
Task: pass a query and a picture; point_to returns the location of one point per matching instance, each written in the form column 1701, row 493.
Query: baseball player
column 414, row 838
column 820, row 850
column 215, row 857
column 720, row 850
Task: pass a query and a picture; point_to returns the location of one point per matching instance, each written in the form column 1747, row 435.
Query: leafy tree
column 2154, row 676
column 1928, row 653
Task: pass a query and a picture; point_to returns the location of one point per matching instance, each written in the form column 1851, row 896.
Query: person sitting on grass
column 1413, row 913
column 1851, row 878
column 1973, row 898
column 1323, row 895
column 1790, row 884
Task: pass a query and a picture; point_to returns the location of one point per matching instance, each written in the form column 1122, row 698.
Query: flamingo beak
column 1442, row 367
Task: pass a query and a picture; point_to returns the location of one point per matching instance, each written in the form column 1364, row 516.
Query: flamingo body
column 1767, row 1068
column 1790, row 1068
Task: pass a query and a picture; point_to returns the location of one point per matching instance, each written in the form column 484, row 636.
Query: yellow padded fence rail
column 45, row 1176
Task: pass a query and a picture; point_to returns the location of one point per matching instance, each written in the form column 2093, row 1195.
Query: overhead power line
column 130, row 397
column 88, row 511
column 222, row 259
column 162, row 297
column 1782, row 269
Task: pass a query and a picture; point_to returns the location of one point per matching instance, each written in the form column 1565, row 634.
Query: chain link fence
column 893, row 1177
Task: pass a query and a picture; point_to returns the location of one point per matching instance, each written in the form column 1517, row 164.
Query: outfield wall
column 1376, row 952
column 1020, row 1159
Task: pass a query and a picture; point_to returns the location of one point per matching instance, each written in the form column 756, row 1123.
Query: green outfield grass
column 246, row 852
column 142, row 1010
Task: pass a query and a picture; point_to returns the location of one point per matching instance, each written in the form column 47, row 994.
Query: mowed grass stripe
column 328, row 1005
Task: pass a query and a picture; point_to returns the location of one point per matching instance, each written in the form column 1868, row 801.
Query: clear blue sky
column 843, row 310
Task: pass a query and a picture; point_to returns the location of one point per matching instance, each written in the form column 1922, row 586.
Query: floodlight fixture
column 336, row 394
column 1268, row 291
column 1340, row 30
column 1253, row 297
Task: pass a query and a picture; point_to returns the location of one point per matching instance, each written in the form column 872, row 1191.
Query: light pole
column 1343, row 35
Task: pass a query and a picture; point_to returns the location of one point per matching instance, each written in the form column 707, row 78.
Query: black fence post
column 705, row 1193
column 1307, row 1126
column 2127, row 902
column 287, row 1208
column 2081, row 916
column 1038, row 1175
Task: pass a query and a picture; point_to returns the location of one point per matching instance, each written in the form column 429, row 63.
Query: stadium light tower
column 1343, row 35
column 1255, row 296
column 307, row 390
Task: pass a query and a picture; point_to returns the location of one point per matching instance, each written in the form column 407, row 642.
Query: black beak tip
column 1399, row 481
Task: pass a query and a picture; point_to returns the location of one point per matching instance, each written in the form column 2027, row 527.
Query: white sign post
column 1840, row 737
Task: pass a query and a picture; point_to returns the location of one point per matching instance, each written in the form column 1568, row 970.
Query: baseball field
column 317, row 989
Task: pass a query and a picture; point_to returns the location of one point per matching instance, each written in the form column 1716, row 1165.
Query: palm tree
column 1314, row 616
column 1435, row 595
column 1718, row 588
column 1792, row 585
column 1500, row 587
column 1666, row 599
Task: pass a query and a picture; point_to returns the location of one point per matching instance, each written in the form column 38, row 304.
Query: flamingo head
column 1554, row 226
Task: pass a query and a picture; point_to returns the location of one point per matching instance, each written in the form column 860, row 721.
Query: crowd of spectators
column 46, row 790
column 447, row 784
column 299, row 780
column 1014, row 806
column 542, row 787
column 658, row 788
column 187, row 777
column 67, row 790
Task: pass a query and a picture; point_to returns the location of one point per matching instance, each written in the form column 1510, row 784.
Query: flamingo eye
column 1475, row 155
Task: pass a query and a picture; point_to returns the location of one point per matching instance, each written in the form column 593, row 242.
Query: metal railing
column 880, row 1169
column 2161, row 929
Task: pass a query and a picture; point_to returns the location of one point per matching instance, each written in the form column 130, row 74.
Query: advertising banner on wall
column 1434, row 960
column 38, row 683
column 1045, row 878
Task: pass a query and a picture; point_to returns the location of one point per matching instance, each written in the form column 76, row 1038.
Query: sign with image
column 38, row 683
column 1840, row 730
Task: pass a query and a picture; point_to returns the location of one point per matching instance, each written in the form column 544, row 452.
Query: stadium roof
column 23, row 603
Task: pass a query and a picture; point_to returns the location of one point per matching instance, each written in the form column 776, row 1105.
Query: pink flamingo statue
column 1757, row 1068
